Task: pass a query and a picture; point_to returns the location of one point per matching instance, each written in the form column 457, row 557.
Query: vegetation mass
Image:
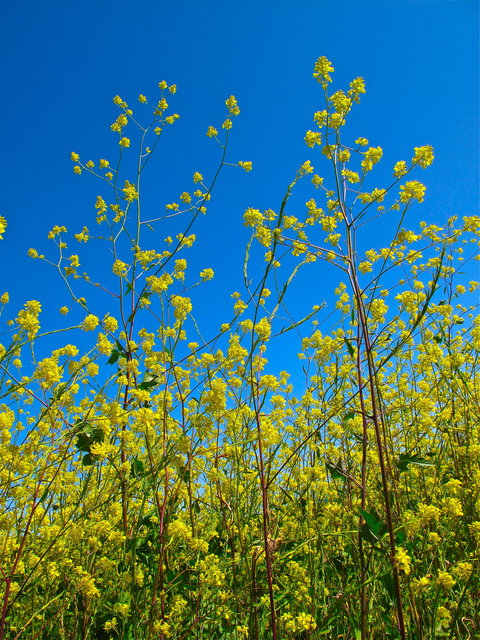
column 164, row 482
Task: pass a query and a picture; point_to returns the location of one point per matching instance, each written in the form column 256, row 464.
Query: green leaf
column 137, row 468
column 400, row 537
column 387, row 581
column 336, row 471
column 184, row 474
column 349, row 416
column 114, row 356
column 117, row 352
column 373, row 524
column 148, row 383
column 404, row 460
column 351, row 350
column 86, row 438
column 87, row 460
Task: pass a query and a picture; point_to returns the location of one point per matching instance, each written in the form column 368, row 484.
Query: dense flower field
column 161, row 484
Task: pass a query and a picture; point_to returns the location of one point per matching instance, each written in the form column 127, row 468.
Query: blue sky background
column 62, row 62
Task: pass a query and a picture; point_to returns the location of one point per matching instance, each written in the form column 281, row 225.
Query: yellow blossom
column 90, row 322
column 130, row 191
column 445, row 580
column 120, row 268
column 312, row 138
column 206, row 274
column 412, row 190
column 423, row 156
column 323, row 68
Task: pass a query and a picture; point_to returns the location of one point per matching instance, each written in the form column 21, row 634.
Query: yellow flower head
column 322, row 70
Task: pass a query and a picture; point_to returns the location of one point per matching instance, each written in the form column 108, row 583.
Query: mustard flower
column 110, row 323
column 130, row 191
column 57, row 230
column 212, row 132
column 124, row 142
column 158, row 284
column 365, row 267
column 263, row 329
column 445, row 580
column 5, row 298
column 371, row 157
column 423, row 156
column 122, row 608
column 82, row 236
column 444, row 616
column 245, row 165
column 400, row 169
column 119, row 123
column 85, row 583
column 412, row 190
column 181, row 307
column 317, row 181
column 341, row 102
column 312, row 138
column 27, row 318
column 48, row 372
column 403, row 561
column 110, row 625
column 252, row 217
column 322, row 70
column 305, row 168
column 350, row 176
column 119, row 268
column 100, row 204
column 239, row 306
column 452, row 507
column 462, row 570
column 227, row 124
column 206, row 274
column 420, row 584
column 232, row 105
column 90, row 322
column 306, row 621
column 357, row 86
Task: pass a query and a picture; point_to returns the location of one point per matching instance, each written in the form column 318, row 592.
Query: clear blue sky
column 63, row 61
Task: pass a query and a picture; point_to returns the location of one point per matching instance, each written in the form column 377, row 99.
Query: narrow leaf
column 351, row 350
